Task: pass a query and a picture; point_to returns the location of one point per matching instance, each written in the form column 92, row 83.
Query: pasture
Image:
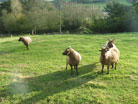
column 38, row 75
column 103, row 4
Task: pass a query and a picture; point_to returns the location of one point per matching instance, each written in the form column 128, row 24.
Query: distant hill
column 2, row 0
column 99, row 1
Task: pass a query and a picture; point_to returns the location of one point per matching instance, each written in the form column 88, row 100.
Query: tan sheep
column 108, row 57
column 73, row 59
column 109, row 44
column 26, row 40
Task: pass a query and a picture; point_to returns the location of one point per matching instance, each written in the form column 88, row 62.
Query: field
column 103, row 4
column 38, row 75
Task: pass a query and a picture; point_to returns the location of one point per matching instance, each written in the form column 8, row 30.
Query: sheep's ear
column 113, row 40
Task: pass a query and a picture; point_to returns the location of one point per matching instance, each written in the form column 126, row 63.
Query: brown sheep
column 108, row 57
column 74, row 58
column 26, row 40
column 110, row 44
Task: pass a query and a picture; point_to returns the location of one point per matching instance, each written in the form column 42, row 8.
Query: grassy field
column 103, row 4
column 38, row 76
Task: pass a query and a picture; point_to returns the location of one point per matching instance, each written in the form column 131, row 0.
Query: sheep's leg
column 66, row 66
column 77, row 70
column 108, row 66
column 115, row 65
column 112, row 66
column 102, row 68
column 71, row 70
column 27, row 47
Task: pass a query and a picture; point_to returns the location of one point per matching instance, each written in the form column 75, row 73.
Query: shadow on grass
column 50, row 84
column 4, row 52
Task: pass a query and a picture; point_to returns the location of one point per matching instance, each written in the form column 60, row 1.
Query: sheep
column 73, row 57
column 108, row 57
column 110, row 44
column 26, row 40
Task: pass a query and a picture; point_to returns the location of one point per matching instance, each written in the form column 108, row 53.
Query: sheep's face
column 110, row 43
column 104, row 50
column 20, row 39
column 66, row 52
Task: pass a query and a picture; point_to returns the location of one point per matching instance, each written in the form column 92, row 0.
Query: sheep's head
column 104, row 50
column 110, row 43
column 67, row 51
column 20, row 39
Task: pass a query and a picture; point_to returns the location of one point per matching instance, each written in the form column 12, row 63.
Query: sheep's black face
column 66, row 52
column 110, row 43
column 20, row 39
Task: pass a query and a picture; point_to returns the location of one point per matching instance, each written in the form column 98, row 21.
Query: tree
column 5, row 6
column 9, row 19
column 119, row 17
column 42, row 15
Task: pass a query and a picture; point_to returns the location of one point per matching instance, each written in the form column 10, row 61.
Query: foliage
column 78, row 18
column 42, row 15
column 121, row 18
column 31, row 16
column 27, row 16
column 5, row 6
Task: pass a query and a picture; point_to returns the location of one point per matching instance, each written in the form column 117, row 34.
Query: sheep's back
column 75, row 60
column 115, row 54
column 27, row 40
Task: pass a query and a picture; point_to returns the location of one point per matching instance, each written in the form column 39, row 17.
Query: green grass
column 38, row 76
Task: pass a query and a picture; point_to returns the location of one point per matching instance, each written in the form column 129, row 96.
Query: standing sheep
column 73, row 59
column 110, row 44
column 108, row 57
column 26, row 40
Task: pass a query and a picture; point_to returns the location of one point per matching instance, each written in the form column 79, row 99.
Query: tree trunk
column 33, row 32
